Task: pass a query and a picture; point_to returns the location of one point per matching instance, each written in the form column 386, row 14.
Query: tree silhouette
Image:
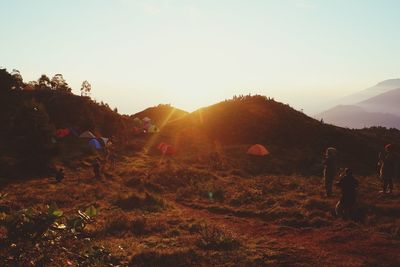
column 44, row 82
column 86, row 88
column 18, row 80
column 58, row 83
column 6, row 80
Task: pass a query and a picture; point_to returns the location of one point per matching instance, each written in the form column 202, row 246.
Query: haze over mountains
column 374, row 106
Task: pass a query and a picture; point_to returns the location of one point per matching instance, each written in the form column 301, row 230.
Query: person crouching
column 348, row 186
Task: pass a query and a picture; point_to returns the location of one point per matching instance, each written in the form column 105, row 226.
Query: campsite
column 193, row 194
column 175, row 133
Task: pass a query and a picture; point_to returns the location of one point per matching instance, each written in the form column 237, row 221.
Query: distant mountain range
column 374, row 106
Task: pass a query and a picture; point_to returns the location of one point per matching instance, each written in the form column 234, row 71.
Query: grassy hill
column 295, row 140
column 30, row 119
column 208, row 205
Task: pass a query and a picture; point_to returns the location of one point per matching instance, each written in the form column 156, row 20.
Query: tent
column 257, row 150
column 94, row 143
column 137, row 122
column 161, row 145
column 166, row 149
column 62, row 132
column 105, row 140
column 73, row 131
column 87, row 134
column 153, row 129
column 146, row 119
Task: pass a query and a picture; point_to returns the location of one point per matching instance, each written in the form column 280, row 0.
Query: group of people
column 387, row 171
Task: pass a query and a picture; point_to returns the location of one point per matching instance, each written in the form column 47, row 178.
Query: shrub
column 138, row 226
column 213, row 238
column 148, row 202
column 117, row 224
column 180, row 258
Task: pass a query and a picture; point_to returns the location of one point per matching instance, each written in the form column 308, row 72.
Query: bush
column 180, row 258
column 148, row 202
column 117, row 224
column 213, row 238
column 138, row 226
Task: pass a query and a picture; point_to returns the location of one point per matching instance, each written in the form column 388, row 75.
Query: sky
column 188, row 53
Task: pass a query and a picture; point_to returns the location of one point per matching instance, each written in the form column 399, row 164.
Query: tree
column 18, row 80
column 44, row 82
column 31, row 127
column 6, row 80
column 86, row 88
column 58, row 83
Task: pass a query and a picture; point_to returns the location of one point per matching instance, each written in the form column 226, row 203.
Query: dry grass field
column 154, row 211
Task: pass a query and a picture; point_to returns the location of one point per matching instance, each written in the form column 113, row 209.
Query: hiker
column 330, row 169
column 59, row 175
column 387, row 169
column 348, row 185
column 96, row 168
column 112, row 159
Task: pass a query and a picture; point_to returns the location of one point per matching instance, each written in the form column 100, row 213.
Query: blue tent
column 94, row 143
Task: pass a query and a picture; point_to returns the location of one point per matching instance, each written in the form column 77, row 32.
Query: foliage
column 59, row 83
column 86, row 88
column 29, row 223
column 214, row 238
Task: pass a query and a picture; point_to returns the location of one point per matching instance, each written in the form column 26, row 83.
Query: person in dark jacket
column 388, row 169
column 348, row 186
column 96, row 168
column 330, row 169
column 59, row 175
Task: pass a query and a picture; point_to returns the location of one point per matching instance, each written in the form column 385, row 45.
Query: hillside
column 375, row 106
column 210, row 204
column 379, row 88
column 387, row 102
column 295, row 140
column 153, row 211
column 358, row 117
column 30, row 120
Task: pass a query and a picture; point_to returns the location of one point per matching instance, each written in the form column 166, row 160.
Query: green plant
column 78, row 222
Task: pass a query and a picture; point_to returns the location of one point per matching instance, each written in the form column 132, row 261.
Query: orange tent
column 257, row 150
column 166, row 149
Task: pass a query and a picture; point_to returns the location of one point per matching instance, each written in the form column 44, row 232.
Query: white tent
column 105, row 140
column 87, row 134
column 146, row 119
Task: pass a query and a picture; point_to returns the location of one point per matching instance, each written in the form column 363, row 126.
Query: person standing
column 59, row 175
column 330, row 169
column 96, row 168
column 388, row 169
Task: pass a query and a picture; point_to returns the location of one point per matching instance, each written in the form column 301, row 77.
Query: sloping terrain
column 375, row 106
column 208, row 204
column 387, row 102
column 296, row 140
column 160, row 212
column 354, row 116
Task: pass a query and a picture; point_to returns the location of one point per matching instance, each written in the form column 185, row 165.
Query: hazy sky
column 138, row 53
